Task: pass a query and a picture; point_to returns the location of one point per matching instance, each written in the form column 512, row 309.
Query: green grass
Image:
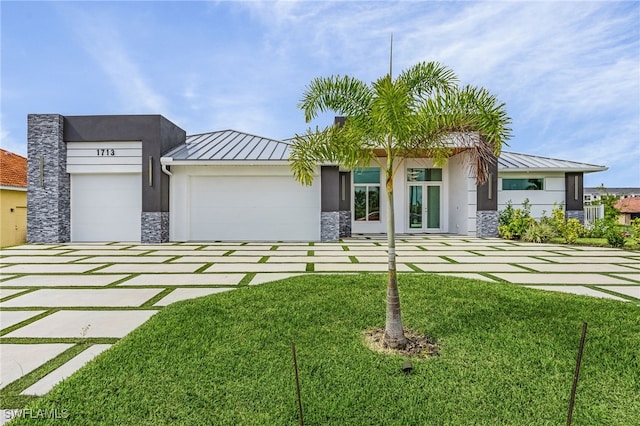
column 597, row 242
column 508, row 356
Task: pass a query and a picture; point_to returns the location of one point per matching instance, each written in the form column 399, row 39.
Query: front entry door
column 424, row 207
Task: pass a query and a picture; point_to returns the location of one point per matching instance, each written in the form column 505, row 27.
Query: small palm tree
column 423, row 113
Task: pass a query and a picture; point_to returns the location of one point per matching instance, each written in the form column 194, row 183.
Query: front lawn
column 507, row 357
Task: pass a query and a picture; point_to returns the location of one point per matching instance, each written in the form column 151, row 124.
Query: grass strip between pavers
column 507, row 357
column 10, row 395
column 48, row 311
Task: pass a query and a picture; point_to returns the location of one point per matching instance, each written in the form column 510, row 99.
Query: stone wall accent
column 575, row 214
column 486, row 223
column 155, row 227
column 345, row 223
column 329, row 226
column 49, row 184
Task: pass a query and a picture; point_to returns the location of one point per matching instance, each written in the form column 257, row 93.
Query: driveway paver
column 81, row 291
column 77, row 324
column 18, row 360
column 86, row 297
column 575, row 289
column 47, row 383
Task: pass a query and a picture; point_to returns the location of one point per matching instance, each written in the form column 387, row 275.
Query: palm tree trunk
column 393, row 332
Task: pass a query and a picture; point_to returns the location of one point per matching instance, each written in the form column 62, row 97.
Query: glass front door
column 424, row 207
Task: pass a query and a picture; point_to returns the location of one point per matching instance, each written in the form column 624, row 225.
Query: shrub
column 635, row 230
column 557, row 219
column 615, row 238
column 600, row 227
column 571, row 230
column 514, row 222
column 538, row 232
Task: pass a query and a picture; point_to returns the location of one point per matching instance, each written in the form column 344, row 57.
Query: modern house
column 140, row 178
column 13, row 198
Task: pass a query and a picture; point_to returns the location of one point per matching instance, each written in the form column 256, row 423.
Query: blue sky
column 569, row 72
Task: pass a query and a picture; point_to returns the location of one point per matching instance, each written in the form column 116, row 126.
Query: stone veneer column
column 487, row 204
column 574, row 194
column 329, row 204
column 486, row 223
column 345, row 223
column 344, row 204
column 329, row 226
column 575, row 214
column 48, row 183
column 155, row 227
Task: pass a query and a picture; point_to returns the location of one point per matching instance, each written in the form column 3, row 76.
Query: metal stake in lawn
column 295, row 367
column 576, row 374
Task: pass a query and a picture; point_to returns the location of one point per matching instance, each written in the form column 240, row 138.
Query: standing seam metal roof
column 513, row 161
column 230, row 145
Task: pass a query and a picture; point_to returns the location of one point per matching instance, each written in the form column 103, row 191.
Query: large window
column 424, row 175
column 523, row 184
column 366, row 194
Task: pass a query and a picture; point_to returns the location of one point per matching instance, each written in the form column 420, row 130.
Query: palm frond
column 342, row 94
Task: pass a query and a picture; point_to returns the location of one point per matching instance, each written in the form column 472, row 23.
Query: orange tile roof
column 13, row 169
column 628, row 205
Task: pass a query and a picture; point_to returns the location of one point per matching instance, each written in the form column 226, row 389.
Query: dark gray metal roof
column 227, row 145
column 513, row 162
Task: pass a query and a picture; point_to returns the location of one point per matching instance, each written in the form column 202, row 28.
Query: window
column 536, row 184
column 424, row 175
column 366, row 194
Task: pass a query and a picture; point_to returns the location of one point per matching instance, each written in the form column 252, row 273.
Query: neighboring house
column 140, row 178
column 629, row 209
column 13, row 198
column 593, row 194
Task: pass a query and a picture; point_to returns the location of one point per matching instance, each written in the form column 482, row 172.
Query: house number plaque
column 105, row 152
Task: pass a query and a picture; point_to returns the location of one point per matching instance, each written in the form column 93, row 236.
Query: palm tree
column 422, row 113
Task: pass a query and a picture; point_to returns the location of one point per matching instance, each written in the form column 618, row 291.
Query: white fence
column 591, row 213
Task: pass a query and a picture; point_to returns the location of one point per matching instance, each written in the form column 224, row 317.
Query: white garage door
column 250, row 208
column 106, row 207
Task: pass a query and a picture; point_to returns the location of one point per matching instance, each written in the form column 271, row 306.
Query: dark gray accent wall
column 345, row 191
column 49, row 189
column 574, row 191
column 157, row 134
column 330, row 189
column 487, row 193
column 345, row 204
column 48, row 183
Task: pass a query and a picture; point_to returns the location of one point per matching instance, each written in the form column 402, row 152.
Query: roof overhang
column 169, row 161
column 551, row 170
column 13, row 188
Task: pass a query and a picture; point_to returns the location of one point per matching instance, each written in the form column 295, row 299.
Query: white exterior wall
column 462, row 197
column 242, row 202
column 542, row 202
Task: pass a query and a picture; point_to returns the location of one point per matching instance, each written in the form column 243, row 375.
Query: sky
column 567, row 71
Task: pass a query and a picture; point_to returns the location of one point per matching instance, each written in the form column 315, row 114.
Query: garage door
column 250, row 208
column 106, row 207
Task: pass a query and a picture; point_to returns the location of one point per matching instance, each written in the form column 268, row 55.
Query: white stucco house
column 141, row 178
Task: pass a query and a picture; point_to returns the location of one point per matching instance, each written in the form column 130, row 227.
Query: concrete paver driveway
column 54, row 297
